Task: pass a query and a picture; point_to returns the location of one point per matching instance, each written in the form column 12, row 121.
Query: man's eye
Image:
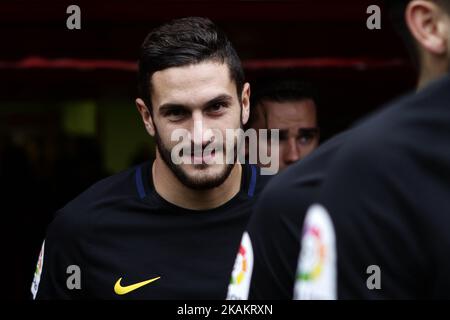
column 305, row 139
column 216, row 107
column 307, row 136
column 175, row 113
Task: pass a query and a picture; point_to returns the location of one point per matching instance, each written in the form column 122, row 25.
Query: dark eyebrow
column 311, row 130
column 170, row 106
column 220, row 98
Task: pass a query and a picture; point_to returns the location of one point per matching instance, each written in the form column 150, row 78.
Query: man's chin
column 204, row 176
column 196, row 176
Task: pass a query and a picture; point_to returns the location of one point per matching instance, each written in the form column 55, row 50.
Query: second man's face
column 297, row 122
column 197, row 103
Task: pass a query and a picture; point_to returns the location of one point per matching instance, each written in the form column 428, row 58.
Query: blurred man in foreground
column 380, row 225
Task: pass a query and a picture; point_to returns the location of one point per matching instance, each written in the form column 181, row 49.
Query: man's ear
column 428, row 25
column 245, row 102
column 146, row 116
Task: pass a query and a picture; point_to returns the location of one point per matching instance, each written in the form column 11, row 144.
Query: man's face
column 297, row 122
column 202, row 100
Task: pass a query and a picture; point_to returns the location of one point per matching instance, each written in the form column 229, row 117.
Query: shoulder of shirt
column 294, row 189
column 307, row 172
column 368, row 144
column 392, row 127
column 77, row 215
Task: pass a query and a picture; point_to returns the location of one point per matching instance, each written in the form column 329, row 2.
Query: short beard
column 194, row 183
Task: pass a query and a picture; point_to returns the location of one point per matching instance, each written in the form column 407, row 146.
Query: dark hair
column 396, row 9
column 184, row 42
column 285, row 90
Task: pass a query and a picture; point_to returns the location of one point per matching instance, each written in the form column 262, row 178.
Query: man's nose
column 201, row 132
column 292, row 153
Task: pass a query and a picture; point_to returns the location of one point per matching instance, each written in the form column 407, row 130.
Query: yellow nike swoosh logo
column 118, row 289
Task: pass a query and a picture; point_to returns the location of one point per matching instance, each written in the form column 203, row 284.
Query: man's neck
column 172, row 190
column 433, row 69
